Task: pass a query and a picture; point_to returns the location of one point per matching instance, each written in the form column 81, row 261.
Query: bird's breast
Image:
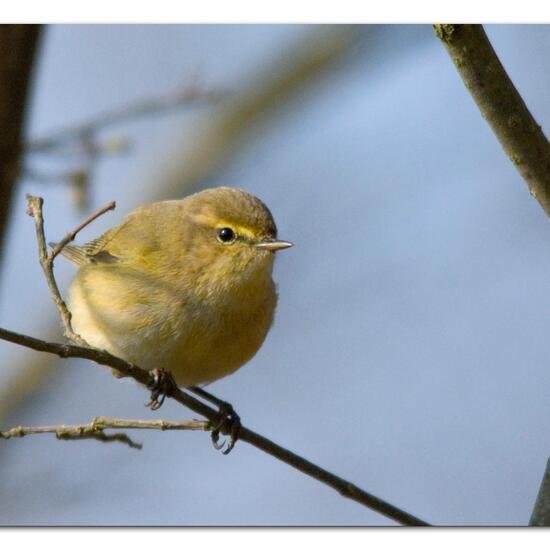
column 216, row 337
column 198, row 336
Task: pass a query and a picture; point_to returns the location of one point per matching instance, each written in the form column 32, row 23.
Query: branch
column 81, row 133
column 196, row 161
column 294, row 71
column 81, row 142
column 501, row 105
column 146, row 378
column 70, row 236
column 46, row 260
column 541, row 510
column 18, row 45
column 95, row 429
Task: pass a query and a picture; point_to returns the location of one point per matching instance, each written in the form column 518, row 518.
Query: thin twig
column 95, row 429
column 501, row 105
column 70, row 236
column 72, row 433
column 46, row 260
column 345, row 488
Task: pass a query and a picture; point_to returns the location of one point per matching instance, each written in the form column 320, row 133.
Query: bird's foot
column 229, row 422
column 163, row 385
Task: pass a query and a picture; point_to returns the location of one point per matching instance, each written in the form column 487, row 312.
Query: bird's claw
column 228, row 421
column 163, row 385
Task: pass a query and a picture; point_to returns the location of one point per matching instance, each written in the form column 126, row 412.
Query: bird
column 183, row 285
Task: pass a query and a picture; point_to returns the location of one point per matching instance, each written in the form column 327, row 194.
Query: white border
column 282, row 11
column 245, row 539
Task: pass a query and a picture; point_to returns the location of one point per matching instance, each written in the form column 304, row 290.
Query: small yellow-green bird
column 182, row 285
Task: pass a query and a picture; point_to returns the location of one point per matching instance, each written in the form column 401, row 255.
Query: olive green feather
column 90, row 253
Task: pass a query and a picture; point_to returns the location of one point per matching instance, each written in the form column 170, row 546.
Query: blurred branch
column 147, row 379
column 46, row 260
column 81, row 141
column 297, row 69
column 501, row 105
column 84, row 131
column 541, row 510
column 18, row 44
column 32, row 374
column 96, row 429
column 18, row 49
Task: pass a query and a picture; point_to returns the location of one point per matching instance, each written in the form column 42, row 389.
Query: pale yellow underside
column 158, row 324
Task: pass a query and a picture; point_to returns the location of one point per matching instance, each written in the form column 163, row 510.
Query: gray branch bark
column 517, row 131
column 501, row 105
column 541, row 510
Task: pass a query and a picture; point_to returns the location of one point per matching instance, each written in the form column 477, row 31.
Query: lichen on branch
column 500, row 105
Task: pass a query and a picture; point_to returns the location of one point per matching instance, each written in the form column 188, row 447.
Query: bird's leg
column 227, row 420
column 163, row 385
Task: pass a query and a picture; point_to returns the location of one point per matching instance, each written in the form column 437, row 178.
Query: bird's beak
column 273, row 245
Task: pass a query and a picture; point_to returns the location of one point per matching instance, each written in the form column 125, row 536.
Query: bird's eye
column 226, row 235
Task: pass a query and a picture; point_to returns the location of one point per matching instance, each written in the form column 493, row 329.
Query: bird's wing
column 92, row 252
column 136, row 237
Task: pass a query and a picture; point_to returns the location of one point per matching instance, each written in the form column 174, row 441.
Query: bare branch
column 46, row 260
column 146, row 378
column 70, row 236
column 345, row 488
column 105, row 422
column 72, row 433
column 96, row 429
column 501, row 105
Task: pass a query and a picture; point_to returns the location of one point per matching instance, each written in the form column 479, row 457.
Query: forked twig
column 70, row 236
column 34, row 210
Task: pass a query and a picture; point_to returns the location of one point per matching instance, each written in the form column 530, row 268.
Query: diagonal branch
column 501, row 105
column 146, row 378
column 71, row 235
column 517, row 131
column 541, row 511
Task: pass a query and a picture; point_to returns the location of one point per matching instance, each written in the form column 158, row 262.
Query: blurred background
column 410, row 348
